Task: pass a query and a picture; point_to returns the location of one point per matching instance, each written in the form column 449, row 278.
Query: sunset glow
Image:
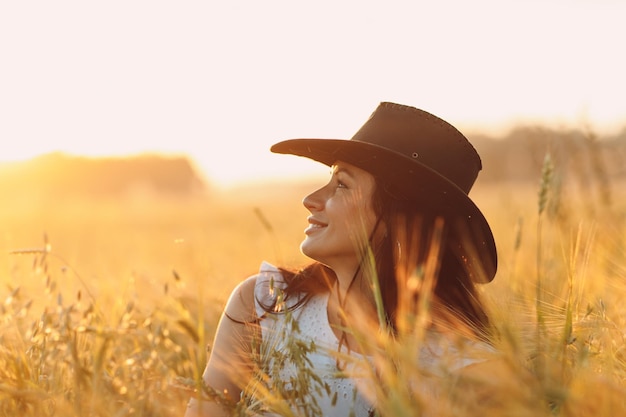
column 221, row 82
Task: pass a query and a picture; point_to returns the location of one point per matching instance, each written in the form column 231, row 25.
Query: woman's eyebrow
column 342, row 170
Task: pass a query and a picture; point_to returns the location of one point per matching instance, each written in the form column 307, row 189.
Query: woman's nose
column 314, row 201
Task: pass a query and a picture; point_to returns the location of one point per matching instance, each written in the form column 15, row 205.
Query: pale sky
column 221, row 81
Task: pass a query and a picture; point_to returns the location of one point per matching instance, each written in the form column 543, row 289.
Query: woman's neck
column 351, row 301
column 346, row 275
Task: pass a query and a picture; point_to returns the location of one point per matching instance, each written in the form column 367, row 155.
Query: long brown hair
column 424, row 243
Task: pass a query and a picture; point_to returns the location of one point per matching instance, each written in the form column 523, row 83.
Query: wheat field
column 107, row 306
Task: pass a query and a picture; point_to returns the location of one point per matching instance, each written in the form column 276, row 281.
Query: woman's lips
column 314, row 225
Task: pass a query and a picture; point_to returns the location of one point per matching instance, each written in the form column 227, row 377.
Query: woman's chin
column 308, row 249
column 305, row 249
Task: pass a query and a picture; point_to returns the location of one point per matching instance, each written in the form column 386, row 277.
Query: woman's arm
column 230, row 363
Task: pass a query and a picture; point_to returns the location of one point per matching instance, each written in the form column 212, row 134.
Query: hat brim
column 395, row 171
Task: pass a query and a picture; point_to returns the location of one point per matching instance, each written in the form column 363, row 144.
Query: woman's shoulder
column 268, row 279
column 248, row 297
column 269, row 283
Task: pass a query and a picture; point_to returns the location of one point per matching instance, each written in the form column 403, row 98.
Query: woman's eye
column 341, row 185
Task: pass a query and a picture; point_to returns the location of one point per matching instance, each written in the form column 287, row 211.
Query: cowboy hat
column 418, row 157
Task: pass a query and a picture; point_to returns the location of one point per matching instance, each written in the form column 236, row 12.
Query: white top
column 307, row 330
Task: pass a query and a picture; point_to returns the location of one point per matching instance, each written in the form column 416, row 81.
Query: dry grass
column 106, row 305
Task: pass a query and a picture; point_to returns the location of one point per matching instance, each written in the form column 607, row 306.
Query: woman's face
column 342, row 218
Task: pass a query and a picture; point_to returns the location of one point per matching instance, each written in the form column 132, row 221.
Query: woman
column 396, row 244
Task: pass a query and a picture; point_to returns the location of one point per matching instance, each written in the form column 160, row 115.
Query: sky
column 221, row 81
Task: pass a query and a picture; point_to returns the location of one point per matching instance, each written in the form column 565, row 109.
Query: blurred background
column 217, row 83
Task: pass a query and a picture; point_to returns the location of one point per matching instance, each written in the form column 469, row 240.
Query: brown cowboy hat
column 415, row 156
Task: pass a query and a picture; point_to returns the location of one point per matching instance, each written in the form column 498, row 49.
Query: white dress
column 299, row 354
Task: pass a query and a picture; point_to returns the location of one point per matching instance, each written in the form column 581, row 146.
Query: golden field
column 107, row 304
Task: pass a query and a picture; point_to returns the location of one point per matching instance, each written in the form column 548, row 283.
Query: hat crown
column 425, row 139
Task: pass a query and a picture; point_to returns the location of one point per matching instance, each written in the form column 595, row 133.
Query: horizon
column 304, row 169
